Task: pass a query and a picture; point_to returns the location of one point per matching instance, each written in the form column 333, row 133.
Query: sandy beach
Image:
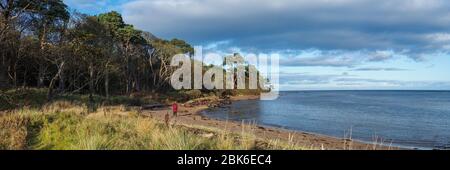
column 191, row 116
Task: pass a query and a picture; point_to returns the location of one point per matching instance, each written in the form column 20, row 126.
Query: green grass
column 66, row 126
column 35, row 98
column 29, row 122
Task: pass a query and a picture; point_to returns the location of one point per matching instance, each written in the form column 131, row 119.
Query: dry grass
column 65, row 125
column 13, row 132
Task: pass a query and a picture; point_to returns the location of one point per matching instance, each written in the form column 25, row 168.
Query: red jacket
column 175, row 107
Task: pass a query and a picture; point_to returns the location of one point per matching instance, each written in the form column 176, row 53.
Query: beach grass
column 66, row 125
column 28, row 121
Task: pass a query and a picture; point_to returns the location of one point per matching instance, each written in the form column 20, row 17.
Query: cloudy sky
column 323, row 44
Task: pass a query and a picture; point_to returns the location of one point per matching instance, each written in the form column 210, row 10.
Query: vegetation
column 64, row 125
column 44, row 45
column 61, row 72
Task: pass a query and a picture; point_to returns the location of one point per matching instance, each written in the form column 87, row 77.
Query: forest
column 44, row 45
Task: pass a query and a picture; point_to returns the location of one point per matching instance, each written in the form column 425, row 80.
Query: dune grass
column 29, row 122
column 65, row 125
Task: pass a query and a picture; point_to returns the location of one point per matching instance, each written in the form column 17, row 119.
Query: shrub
column 193, row 94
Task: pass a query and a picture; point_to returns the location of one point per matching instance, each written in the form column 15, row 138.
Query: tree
column 131, row 45
column 43, row 45
column 91, row 45
column 10, row 12
column 112, row 21
column 185, row 47
column 49, row 18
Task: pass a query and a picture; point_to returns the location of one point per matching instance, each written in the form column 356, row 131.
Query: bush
column 30, row 97
column 193, row 94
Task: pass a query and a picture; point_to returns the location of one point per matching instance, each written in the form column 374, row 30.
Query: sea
column 407, row 119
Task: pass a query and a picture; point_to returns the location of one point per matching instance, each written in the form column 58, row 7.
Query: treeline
column 44, row 45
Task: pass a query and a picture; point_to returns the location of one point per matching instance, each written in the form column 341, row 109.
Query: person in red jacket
column 175, row 109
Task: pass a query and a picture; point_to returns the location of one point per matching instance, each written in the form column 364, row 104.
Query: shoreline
column 191, row 116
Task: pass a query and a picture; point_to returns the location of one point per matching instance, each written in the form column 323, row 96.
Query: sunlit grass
column 65, row 125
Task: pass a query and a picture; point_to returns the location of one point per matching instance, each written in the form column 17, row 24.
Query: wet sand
column 191, row 116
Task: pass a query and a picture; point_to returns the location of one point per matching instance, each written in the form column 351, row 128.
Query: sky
column 323, row 44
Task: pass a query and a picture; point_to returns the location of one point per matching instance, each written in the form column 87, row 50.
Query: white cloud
column 216, row 45
column 439, row 37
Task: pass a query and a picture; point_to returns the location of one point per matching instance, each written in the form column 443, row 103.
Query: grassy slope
column 65, row 125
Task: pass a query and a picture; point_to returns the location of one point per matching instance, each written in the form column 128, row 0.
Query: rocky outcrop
column 212, row 102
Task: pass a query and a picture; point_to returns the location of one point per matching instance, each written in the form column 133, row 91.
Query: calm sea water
column 412, row 119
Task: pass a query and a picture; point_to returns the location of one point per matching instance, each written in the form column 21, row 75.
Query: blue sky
column 323, row 44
